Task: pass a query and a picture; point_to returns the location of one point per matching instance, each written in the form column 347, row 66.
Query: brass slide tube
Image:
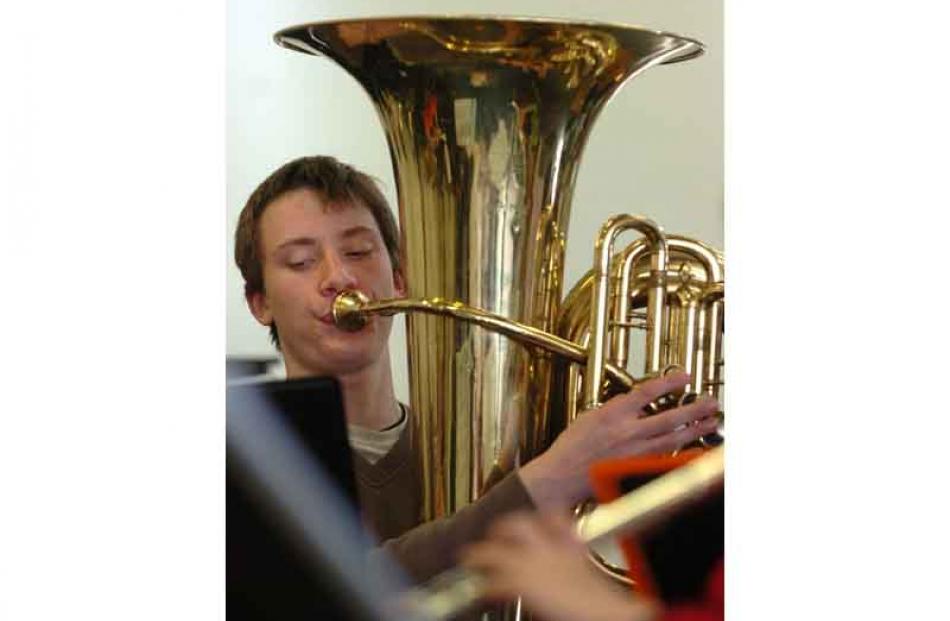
column 711, row 338
column 597, row 362
column 700, row 332
column 623, row 276
column 701, row 318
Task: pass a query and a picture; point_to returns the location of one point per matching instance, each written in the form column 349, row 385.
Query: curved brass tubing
column 600, row 308
column 350, row 310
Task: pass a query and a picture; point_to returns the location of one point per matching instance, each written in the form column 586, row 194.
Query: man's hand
column 558, row 479
column 541, row 559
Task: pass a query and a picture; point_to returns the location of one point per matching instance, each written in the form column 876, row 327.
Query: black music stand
column 295, row 544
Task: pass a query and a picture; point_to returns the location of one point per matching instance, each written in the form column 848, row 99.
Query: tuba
column 486, row 120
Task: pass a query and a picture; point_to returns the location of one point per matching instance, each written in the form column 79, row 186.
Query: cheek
column 287, row 294
column 381, row 275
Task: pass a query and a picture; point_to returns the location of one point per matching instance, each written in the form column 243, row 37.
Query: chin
column 346, row 360
column 333, row 352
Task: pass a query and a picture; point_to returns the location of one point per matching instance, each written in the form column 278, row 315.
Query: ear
column 260, row 308
column 399, row 283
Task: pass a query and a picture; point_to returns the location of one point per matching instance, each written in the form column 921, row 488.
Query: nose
column 335, row 276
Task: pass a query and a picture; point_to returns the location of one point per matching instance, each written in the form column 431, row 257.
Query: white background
column 113, row 193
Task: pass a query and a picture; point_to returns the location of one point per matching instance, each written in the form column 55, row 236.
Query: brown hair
column 336, row 182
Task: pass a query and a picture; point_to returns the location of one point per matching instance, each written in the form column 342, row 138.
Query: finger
column 560, row 528
column 649, row 391
column 496, row 564
column 484, row 555
column 517, row 529
column 674, row 440
column 670, row 420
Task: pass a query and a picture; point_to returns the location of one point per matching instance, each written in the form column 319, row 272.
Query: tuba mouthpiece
column 348, row 310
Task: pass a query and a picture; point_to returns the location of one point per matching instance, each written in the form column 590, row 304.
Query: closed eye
column 355, row 254
column 299, row 265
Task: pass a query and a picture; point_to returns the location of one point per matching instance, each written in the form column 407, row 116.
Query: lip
column 327, row 317
column 328, row 321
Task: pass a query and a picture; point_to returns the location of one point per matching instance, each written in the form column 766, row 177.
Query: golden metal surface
column 691, row 263
column 600, row 305
column 485, row 120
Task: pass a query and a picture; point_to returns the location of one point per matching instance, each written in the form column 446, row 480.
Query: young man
column 316, row 227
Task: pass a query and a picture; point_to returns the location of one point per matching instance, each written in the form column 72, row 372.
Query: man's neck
column 369, row 399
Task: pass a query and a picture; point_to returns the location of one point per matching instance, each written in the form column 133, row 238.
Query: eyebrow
column 297, row 241
column 356, row 231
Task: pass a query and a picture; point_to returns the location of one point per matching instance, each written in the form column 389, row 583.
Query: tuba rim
column 289, row 37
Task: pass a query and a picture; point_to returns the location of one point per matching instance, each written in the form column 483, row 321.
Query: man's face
column 310, row 252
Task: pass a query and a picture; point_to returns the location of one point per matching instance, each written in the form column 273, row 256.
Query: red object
column 606, row 479
column 429, row 115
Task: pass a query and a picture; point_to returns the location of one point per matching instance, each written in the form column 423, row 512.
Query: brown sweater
column 391, row 500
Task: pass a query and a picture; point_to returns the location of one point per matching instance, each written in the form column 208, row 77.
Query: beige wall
column 656, row 149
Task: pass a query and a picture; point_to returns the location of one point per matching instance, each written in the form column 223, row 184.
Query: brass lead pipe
column 351, row 308
column 457, row 590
